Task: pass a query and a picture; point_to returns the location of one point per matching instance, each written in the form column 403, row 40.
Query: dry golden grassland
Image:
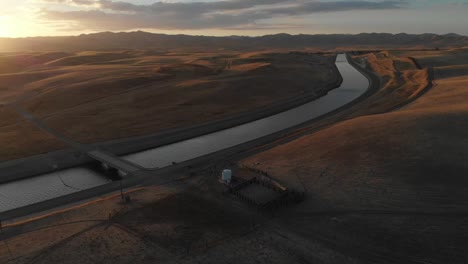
column 99, row 96
column 395, row 183
column 383, row 188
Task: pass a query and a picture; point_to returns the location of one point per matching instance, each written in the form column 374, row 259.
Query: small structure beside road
column 259, row 190
column 226, row 176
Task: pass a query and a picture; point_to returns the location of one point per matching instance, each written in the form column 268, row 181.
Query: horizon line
column 224, row 36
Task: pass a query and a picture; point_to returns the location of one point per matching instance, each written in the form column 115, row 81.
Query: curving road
column 67, row 182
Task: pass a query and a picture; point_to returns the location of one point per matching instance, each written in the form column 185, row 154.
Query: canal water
column 44, row 187
column 354, row 84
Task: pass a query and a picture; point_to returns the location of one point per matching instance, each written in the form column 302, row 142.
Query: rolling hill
column 145, row 40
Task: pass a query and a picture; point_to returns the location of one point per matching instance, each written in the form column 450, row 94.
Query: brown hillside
column 390, row 180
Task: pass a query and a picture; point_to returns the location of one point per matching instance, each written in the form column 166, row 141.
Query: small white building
column 226, row 176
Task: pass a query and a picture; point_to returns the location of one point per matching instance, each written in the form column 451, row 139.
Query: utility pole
column 121, row 190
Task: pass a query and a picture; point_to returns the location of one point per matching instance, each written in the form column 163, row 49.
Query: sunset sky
column 21, row 18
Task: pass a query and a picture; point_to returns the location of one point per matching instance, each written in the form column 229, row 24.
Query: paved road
column 36, row 121
column 99, row 155
column 143, row 176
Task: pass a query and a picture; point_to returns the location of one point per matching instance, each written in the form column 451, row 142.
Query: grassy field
column 99, row 96
column 172, row 224
column 382, row 187
column 20, row 138
column 389, row 187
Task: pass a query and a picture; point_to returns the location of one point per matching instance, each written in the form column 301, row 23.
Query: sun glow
column 23, row 25
column 5, row 26
column 16, row 26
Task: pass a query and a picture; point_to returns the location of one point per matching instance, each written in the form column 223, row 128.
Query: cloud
column 319, row 7
column 69, row 2
column 119, row 15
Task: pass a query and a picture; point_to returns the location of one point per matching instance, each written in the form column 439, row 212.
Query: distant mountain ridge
column 145, row 40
